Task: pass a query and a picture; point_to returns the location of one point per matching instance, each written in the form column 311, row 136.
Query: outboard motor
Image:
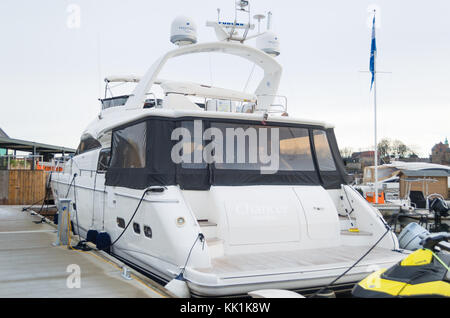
column 440, row 209
column 411, row 236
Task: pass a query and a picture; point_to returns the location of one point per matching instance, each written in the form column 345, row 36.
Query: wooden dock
column 30, row 266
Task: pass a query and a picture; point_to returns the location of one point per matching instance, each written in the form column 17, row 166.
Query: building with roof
column 426, row 177
column 440, row 153
column 361, row 159
column 34, row 148
column 23, row 178
column 427, row 181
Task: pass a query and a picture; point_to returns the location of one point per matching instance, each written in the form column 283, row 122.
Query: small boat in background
column 406, row 191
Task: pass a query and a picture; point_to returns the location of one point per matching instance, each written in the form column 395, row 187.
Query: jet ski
column 423, row 273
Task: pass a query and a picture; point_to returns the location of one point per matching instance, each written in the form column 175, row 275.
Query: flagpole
column 375, row 127
column 375, row 117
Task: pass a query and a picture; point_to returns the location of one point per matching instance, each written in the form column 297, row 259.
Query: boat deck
column 30, row 266
column 300, row 260
column 298, row 270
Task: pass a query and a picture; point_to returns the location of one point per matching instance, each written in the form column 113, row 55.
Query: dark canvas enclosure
column 295, row 161
column 225, row 153
column 140, row 155
column 195, row 173
column 132, row 142
column 333, row 179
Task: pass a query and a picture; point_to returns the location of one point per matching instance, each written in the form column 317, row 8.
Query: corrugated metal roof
column 401, row 165
column 28, row 146
column 427, row 173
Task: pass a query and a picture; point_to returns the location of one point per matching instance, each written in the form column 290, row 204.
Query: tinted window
column 114, row 101
column 239, row 146
column 87, row 143
column 136, row 228
column 103, row 160
column 120, row 222
column 323, row 151
column 193, row 147
column 295, row 150
column 251, row 143
column 129, row 147
column 148, row 231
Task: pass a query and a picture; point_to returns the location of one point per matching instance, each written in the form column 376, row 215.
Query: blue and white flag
column 373, row 52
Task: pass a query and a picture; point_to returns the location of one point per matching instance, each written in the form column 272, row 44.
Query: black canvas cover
column 333, row 179
column 126, row 168
column 141, row 156
column 295, row 160
column 129, row 146
column 195, row 173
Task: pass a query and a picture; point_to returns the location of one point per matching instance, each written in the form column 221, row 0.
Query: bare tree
column 399, row 149
column 346, row 152
column 384, row 148
column 413, row 151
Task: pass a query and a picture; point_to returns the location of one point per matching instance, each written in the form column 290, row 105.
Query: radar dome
column 269, row 43
column 183, row 31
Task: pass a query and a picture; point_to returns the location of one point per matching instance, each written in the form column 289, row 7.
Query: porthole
column 180, row 221
column 136, row 228
column 147, row 231
column 120, row 223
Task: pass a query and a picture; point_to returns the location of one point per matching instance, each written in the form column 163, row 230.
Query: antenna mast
column 228, row 31
column 266, row 41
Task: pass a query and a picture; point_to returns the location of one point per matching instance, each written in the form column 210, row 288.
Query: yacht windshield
column 293, row 147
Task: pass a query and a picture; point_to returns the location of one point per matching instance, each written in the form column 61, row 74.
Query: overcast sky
column 52, row 68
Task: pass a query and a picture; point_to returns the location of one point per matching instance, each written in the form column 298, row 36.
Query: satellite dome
column 183, row 31
column 269, row 43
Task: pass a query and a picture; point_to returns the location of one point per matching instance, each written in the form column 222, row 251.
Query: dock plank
column 30, row 266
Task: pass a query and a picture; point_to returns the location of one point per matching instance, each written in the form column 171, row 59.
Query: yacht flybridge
column 221, row 185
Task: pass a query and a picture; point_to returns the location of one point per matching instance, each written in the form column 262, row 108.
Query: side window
column 103, row 160
column 148, row 231
column 256, row 140
column 129, row 147
column 136, row 228
column 120, row 222
column 114, row 101
column 295, row 150
column 240, row 146
column 87, row 143
column 323, row 151
column 193, row 148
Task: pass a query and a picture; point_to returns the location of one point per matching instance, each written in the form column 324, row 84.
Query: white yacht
column 286, row 219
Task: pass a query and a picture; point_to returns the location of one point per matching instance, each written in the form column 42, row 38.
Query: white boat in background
column 407, row 191
column 419, row 176
column 229, row 228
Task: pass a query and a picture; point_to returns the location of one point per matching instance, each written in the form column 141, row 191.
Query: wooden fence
column 22, row 187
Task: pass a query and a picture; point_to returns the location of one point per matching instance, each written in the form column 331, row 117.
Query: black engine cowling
column 440, row 206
